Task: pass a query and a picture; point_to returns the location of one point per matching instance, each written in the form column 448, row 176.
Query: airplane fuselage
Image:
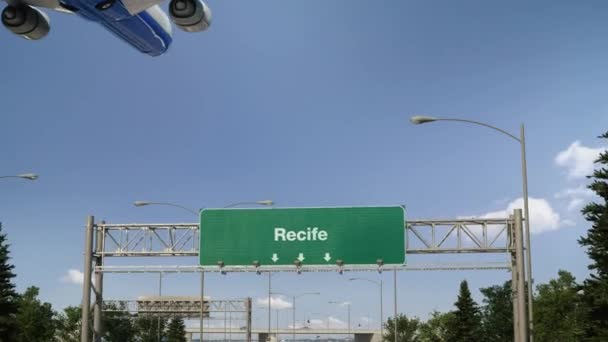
column 148, row 31
column 140, row 23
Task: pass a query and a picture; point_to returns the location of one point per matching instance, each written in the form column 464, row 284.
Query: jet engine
column 190, row 15
column 25, row 21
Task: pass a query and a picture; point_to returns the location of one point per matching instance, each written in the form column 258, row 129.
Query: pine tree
column 497, row 313
column 407, row 329
column 466, row 323
column 36, row 320
column 557, row 310
column 118, row 324
column 147, row 328
column 68, row 329
column 176, row 332
column 436, row 328
column 595, row 288
column 8, row 295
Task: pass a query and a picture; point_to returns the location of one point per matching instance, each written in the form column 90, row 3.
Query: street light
column 144, row 203
column 263, row 202
column 294, row 307
column 420, row 119
column 28, row 176
column 381, row 310
column 348, row 308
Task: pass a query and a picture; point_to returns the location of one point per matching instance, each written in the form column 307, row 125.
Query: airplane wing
column 133, row 6
column 51, row 4
column 137, row 6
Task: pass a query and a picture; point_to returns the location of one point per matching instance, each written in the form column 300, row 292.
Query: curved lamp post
column 381, row 313
column 144, row 203
column 420, row 119
column 28, row 176
column 263, row 202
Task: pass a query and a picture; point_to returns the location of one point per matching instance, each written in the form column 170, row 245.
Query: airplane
column 140, row 23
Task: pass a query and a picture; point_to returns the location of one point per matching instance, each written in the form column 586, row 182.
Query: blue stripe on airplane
column 141, row 31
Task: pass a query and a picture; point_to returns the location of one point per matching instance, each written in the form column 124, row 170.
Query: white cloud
column 276, row 303
column 575, row 203
column 576, row 197
column 317, row 323
column 366, row 320
column 542, row 216
column 578, row 159
column 580, row 191
column 568, row 223
column 335, row 323
column 298, row 325
column 73, row 277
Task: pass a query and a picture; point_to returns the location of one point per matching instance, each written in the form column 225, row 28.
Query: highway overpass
column 358, row 335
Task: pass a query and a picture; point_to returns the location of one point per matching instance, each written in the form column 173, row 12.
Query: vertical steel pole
column 97, row 311
column 269, row 308
column 160, row 294
column 514, row 296
column 395, row 290
column 248, row 308
column 524, row 171
column 294, row 319
column 514, row 281
column 519, row 255
column 86, row 284
column 381, row 313
column 200, row 328
column 348, row 320
column 225, row 309
column 277, row 325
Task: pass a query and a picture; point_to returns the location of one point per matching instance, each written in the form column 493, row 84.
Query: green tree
column 68, row 324
column 8, row 295
column 35, row 319
column 147, row 328
column 436, row 328
column 466, row 325
column 497, row 313
column 176, row 332
column 118, row 324
column 595, row 288
column 557, row 309
column 407, row 329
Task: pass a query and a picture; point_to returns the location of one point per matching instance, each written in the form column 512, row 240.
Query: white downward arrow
column 327, row 257
column 274, row 257
column 301, row 257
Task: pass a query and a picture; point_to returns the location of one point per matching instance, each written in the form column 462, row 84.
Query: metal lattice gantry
column 179, row 306
column 178, row 239
column 423, row 237
column 459, row 236
column 488, row 235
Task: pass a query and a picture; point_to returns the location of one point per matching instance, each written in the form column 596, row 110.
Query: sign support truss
column 422, row 237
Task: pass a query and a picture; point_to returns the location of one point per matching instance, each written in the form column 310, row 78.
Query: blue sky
column 306, row 103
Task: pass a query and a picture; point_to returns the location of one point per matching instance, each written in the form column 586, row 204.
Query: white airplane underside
column 141, row 23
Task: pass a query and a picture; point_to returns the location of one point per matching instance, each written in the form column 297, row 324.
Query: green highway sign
column 306, row 236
